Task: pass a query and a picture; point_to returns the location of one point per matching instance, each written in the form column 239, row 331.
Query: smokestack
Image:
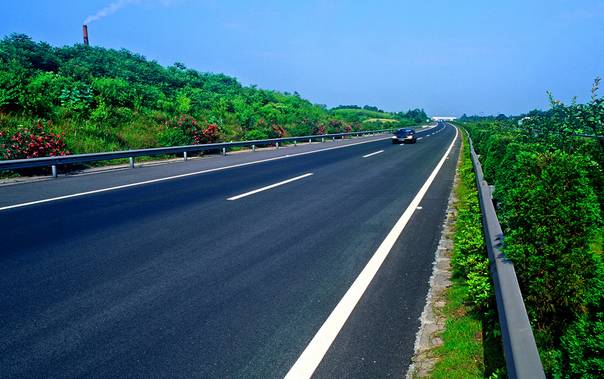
column 85, row 32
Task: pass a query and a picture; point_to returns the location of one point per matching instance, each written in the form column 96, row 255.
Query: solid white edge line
column 314, row 352
column 372, row 154
column 269, row 187
column 181, row 175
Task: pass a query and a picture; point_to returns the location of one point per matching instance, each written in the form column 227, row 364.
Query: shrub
column 583, row 346
column 470, row 257
column 207, row 135
column 277, row 131
column 173, row 137
column 319, row 129
column 115, row 92
column 42, row 93
column 186, row 130
column 76, row 99
column 255, row 134
column 550, row 215
column 552, row 209
column 32, row 142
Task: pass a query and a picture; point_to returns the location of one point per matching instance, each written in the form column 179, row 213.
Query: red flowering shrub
column 279, row 131
column 207, row 135
column 189, row 131
column 186, row 123
column 319, row 129
column 339, row 126
column 336, row 126
column 32, row 142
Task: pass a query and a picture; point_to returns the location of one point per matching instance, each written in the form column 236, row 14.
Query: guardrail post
column 253, row 147
column 184, row 156
column 310, row 140
column 54, row 170
column 131, row 162
column 322, row 139
column 295, row 143
column 333, row 138
column 224, row 151
column 277, row 145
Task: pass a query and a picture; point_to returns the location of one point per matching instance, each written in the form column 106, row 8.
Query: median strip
column 372, row 154
column 269, row 187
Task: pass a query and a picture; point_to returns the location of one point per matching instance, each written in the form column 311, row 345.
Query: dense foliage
column 547, row 172
column 470, row 258
column 101, row 99
column 472, row 283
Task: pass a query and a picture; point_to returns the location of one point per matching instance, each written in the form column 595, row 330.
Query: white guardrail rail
column 55, row 161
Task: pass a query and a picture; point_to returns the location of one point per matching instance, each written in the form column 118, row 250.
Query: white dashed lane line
column 269, row 187
column 372, row 154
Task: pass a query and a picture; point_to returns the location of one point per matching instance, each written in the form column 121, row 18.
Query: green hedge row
column 470, row 262
column 548, row 190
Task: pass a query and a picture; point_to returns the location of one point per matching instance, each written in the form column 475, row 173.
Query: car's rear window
column 405, row 132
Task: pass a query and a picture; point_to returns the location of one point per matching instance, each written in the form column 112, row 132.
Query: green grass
column 362, row 113
column 380, row 120
column 461, row 355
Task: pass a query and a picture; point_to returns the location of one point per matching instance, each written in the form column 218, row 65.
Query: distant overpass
column 443, row 118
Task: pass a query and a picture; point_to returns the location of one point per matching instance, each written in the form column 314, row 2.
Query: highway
column 307, row 262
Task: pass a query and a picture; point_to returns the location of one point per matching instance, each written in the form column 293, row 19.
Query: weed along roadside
column 459, row 336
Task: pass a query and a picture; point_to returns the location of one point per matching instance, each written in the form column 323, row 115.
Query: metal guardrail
column 521, row 354
column 53, row 162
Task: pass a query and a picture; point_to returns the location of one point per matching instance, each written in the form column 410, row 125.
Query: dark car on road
column 404, row 136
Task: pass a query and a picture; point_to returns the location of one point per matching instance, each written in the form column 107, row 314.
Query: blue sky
column 449, row 57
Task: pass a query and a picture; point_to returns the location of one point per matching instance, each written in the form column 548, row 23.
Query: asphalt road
column 172, row 279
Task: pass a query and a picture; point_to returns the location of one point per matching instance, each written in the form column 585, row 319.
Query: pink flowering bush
column 209, row 134
column 186, row 130
column 33, row 142
column 319, row 129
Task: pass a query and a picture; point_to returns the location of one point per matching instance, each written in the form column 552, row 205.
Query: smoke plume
column 119, row 4
column 108, row 10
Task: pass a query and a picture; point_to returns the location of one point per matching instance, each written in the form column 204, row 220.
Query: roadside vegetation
column 83, row 99
column 546, row 167
column 471, row 340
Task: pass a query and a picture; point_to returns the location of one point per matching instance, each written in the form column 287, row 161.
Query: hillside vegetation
column 547, row 170
column 81, row 99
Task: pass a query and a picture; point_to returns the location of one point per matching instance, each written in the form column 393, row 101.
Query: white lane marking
column 418, row 138
column 179, row 176
column 269, row 187
column 312, row 355
column 419, row 208
column 372, row 154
